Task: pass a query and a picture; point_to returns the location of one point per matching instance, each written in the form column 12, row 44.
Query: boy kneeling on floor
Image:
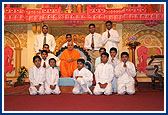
column 83, row 79
column 52, row 77
column 36, row 77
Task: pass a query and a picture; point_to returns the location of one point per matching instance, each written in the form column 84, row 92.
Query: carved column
column 130, row 54
column 132, row 46
column 18, row 60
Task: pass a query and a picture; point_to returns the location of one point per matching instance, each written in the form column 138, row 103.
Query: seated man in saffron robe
column 69, row 59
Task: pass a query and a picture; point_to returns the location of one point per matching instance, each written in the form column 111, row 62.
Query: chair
column 155, row 70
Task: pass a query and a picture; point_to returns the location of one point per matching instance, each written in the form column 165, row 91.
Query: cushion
column 66, row 82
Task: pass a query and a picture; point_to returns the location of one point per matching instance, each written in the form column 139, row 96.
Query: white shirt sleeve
column 89, row 76
column 120, row 70
column 115, row 37
column 131, row 70
column 97, row 75
column 31, row 77
column 87, row 45
column 43, row 76
column 98, row 42
column 74, row 74
column 111, row 74
column 104, row 38
column 57, row 77
column 53, row 44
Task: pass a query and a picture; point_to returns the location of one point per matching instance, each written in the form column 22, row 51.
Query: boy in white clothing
column 44, row 61
column 83, row 79
column 52, row 77
column 36, row 77
column 114, row 61
column 125, row 71
column 104, row 75
column 98, row 60
column 50, row 54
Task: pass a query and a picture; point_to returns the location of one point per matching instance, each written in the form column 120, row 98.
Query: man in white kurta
column 125, row 71
column 44, row 38
column 98, row 60
column 52, row 77
column 83, row 79
column 37, row 77
column 104, row 75
column 114, row 61
column 93, row 43
column 110, row 38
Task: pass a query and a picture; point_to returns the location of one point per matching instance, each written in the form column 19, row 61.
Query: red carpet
column 144, row 100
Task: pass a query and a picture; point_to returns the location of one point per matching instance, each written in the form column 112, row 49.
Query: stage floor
column 146, row 99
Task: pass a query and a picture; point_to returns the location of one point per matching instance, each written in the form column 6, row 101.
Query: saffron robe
column 67, row 68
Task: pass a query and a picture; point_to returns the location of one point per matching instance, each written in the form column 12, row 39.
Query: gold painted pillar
column 132, row 46
column 18, row 60
column 130, row 54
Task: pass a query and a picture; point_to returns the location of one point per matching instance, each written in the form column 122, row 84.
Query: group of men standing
column 94, row 41
column 111, row 75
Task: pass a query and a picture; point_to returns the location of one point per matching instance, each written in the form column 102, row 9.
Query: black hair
column 92, row 25
column 81, row 60
column 52, row 59
column 113, row 49
column 45, row 45
column 109, row 22
column 44, row 26
column 124, row 53
column 68, row 35
column 102, row 49
column 106, row 54
column 42, row 51
column 35, row 57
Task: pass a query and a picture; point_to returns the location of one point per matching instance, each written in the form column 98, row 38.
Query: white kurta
column 115, row 62
column 112, row 41
column 50, row 55
column 52, row 77
column 125, row 82
column 82, row 84
column 104, row 74
column 46, row 62
column 36, row 77
column 38, row 43
column 97, row 61
column 97, row 41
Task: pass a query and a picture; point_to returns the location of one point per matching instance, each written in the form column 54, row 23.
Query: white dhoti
column 49, row 91
column 33, row 90
column 81, row 86
column 123, row 88
column 107, row 91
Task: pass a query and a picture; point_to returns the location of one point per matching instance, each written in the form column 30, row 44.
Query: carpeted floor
column 146, row 99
